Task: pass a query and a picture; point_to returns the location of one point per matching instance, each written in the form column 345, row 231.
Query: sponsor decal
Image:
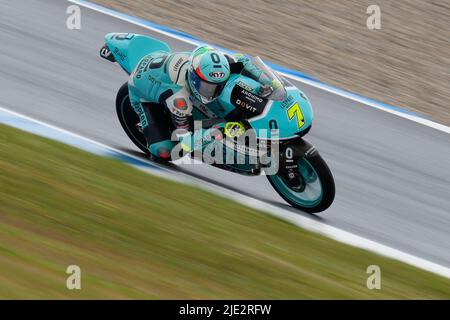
column 157, row 62
column 178, row 64
column 245, row 105
column 180, row 104
column 175, row 67
column 123, row 36
column 178, row 112
column 245, row 86
column 140, row 111
column 142, row 67
column 252, row 97
column 311, row 151
column 202, row 108
column 121, row 55
column 288, row 102
column 253, row 151
column 250, row 103
column 105, row 53
column 149, row 63
column 217, row 75
column 154, row 80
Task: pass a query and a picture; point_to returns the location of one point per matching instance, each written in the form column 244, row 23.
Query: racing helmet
column 208, row 73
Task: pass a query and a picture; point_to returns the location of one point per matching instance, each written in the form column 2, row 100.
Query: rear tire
column 128, row 119
column 297, row 199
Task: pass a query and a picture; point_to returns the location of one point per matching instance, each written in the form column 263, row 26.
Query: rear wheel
column 318, row 189
column 129, row 119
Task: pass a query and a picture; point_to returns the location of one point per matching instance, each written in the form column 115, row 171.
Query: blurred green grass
column 139, row 236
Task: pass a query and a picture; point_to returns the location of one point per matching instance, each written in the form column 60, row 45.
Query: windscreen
column 271, row 85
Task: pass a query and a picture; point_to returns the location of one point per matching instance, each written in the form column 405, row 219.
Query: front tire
column 319, row 190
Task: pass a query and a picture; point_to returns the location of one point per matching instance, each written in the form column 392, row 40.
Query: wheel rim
column 312, row 195
column 125, row 121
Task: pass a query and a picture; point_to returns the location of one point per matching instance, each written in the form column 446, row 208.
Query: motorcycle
column 278, row 117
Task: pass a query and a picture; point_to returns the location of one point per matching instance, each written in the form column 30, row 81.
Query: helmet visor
column 206, row 89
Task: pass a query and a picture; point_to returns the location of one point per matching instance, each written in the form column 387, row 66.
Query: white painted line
column 372, row 104
column 16, row 120
column 313, row 83
column 19, row 121
column 131, row 20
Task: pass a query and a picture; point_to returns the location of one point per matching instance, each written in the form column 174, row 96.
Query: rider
column 178, row 81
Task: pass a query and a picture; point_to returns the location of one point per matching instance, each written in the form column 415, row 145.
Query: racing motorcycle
column 278, row 117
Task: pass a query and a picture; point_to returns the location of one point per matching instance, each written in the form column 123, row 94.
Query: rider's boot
column 161, row 151
column 157, row 133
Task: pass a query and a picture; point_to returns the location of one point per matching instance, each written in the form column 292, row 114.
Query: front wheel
column 318, row 191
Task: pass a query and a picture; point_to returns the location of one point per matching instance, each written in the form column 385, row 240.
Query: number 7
column 295, row 110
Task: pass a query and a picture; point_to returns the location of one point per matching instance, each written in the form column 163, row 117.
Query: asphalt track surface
column 392, row 175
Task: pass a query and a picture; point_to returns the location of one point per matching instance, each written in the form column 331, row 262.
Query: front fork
column 290, row 153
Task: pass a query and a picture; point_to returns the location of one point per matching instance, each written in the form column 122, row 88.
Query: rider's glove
column 190, row 142
column 234, row 129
